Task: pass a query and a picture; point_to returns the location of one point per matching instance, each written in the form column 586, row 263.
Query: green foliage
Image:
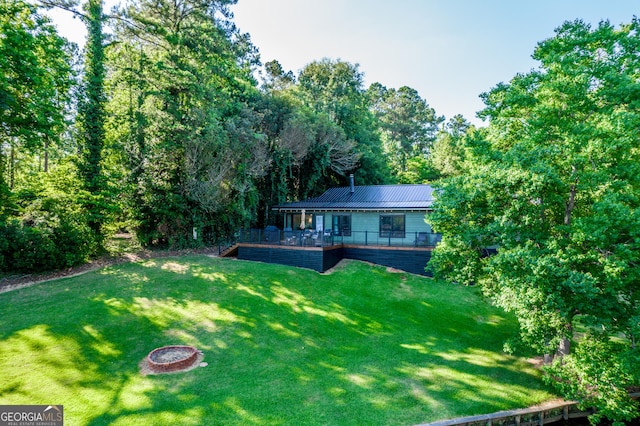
column 182, row 121
column 91, row 114
column 448, row 152
column 170, row 132
column 40, row 230
column 35, row 80
column 307, row 151
column 27, row 249
column 553, row 185
column 335, row 89
column 7, row 201
column 51, row 244
column 418, row 170
column 407, row 124
column 44, row 242
column 599, row 373
column 52, row 231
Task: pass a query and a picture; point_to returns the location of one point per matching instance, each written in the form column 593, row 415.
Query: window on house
column 392, row 225
column 342, row 225
column 296, row 221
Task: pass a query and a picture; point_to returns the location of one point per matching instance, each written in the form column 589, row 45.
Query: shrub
column 599, row 373
column 43, row 247
column 52, row 231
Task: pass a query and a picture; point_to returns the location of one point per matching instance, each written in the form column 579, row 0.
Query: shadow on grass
column 283, row 346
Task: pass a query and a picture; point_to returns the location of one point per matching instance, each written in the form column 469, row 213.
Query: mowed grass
column 284, row 346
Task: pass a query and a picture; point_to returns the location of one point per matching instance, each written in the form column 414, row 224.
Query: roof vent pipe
column 352, row 183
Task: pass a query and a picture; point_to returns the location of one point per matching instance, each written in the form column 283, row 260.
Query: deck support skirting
column 321, row 259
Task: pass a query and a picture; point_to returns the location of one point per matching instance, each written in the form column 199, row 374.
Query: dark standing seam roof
column 377, row 197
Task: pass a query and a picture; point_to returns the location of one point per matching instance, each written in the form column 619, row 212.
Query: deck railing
column 312, row 238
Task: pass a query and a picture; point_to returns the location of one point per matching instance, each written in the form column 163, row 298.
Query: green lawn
column 289, row 346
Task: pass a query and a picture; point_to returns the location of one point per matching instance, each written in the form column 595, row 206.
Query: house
column 382, row 224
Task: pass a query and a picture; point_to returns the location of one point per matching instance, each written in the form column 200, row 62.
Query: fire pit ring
column 172, row 358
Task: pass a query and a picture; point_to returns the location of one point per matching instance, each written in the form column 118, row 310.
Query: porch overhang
column 350, row 210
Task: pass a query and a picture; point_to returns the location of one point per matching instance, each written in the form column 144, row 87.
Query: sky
column 450, row 51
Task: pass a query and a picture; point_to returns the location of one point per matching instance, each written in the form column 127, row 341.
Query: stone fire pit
column 168, row 359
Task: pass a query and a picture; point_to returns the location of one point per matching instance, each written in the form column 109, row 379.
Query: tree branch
column 571, row 203
column 69, row 6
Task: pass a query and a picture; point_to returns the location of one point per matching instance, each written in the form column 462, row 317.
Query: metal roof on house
column 367, row 198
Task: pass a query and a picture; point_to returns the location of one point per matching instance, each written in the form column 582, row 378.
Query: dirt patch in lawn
column 14, row 282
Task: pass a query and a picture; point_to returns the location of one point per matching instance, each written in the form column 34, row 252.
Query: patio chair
column 289, row 237
column 316, row 239
column 326, row 237
column 306, row 237
column 435, row 239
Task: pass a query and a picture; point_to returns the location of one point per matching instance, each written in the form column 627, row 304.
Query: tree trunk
column 571, row 203
column 12, row 166
column 46, row 155
column 3, row 166
column 564, row 348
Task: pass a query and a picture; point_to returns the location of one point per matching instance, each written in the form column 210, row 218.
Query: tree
column 554, row 187
column 329, row 152
column 90, row 117
column 408, row 125
column 183, row 77
column 335, row 88
column 35, row 82
column 91, row 114
column 43, row 223
column 448, row 152
column 276, row 79
column 305, row 149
